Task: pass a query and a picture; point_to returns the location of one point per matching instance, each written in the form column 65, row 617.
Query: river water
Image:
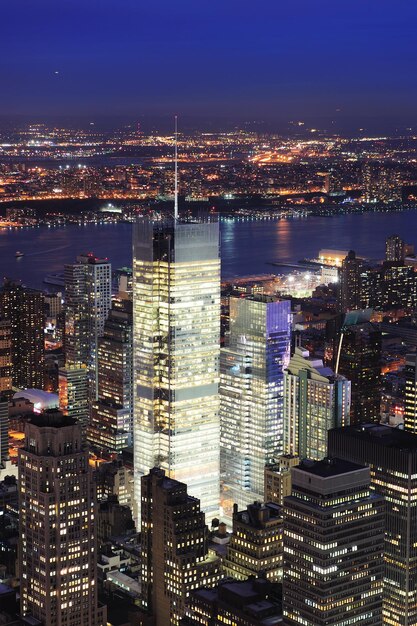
column 246, row 246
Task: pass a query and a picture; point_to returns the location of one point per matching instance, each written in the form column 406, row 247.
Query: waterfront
column 246, row 246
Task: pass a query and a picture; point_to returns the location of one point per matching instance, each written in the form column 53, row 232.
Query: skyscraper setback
column 176, row 299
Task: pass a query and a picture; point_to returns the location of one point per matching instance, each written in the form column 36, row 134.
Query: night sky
column 272, row 60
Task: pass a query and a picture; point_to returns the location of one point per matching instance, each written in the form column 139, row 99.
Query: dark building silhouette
column 360, row 362
column 350, row 283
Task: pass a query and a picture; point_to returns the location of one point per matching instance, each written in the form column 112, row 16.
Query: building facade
column 73, row 388
column 57, row 525
column 350, row 283
column 87, row 304
column 111, row 425
column 392, row 457
column 176, row 338
column 278, row 478
column 333, row 546
column 410, row 400
column 251, row 396
column 25, row 310
column 174, row 548
column 255, row 546
column 315, row 400
column 360, row 363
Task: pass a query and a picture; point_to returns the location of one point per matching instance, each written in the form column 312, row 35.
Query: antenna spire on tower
column 176, row 171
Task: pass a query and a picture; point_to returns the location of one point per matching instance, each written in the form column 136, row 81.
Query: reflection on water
column 246, row 247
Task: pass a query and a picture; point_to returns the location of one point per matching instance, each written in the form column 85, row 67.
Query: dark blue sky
column 270, row 59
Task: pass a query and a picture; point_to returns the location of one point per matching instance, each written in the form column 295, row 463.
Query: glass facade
column 176, row 300
column 315, row 400
column 251, row 396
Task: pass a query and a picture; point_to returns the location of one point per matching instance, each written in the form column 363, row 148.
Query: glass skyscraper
column 315, row 400
column 251, row 396
column 176, row 333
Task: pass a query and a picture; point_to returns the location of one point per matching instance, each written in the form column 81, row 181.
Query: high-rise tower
column 251, row 396
column 57, row 524
column 391, row 454
column 25, row 310
column 333, row 546
column 87, row 304
column 111, row 425
column 174, row 548
column 315, row 400
column 176, row 334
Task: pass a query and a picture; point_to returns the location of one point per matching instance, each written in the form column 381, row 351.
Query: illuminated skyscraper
column 381, row 182
column 333, row 546
column 410, row 409
column 87, row 304
column 176, row 335
column 392, row 456
column 315, row 400
column 25, row 310
column 255, row 546
column 251, row 396
column 111, row 425
column 57, row 525
column 394, row 248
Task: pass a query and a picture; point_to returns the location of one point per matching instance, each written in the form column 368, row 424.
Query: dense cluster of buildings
column 171, row 470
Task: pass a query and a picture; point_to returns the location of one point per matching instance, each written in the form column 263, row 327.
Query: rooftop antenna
column 176, row 171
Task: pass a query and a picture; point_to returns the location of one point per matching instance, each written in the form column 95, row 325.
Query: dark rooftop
column 328, row 467
column 52, row 418
column 381, row 435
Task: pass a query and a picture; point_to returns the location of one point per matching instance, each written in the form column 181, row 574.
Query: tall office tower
column 87, row 304
column 396, row 287
column 360, row 363
column 73, row 387
column 350, row 283
column 394, row 248
column 176, row 337
column 4, row 430
column 251, row 396
column 25, row 310
column 278, row 478
column 57, row 524
column 333, row 546
column 175, row 556
column 255, row 546
column 111, row 425
column 315, row 400
column 392, row 456
column 381, row 182
column 6, row 363
column 410, row 400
